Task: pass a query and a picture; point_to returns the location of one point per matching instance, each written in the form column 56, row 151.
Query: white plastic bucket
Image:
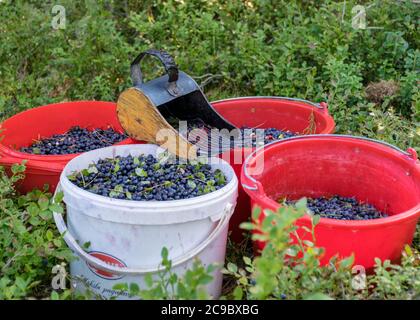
column 126, row 237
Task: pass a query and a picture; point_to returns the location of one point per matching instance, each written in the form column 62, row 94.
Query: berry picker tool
column 144, row 109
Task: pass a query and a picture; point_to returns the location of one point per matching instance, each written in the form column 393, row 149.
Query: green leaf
column 347, row 262
column 191, row 184
column 308, row 243
column 210, row 183
column 256, row 212
column 238, row 293
column 317, row 296
column 34, row 221
column 56, row 208
column 43, row 203
column 59, row 197
column 315, row 219
column 232, row 267
column 292, row 252
column 220, row 177
column 247, row 260
column 93, row 169
column 49, row 235
column 54, row 295
column 18, row 168
column 117, row 166
column 141, row 172
column 148, row 279
column 113, row 194
column 301, row 204
column 164, row 253
column 408, row 250
column 247, row 226
column 201, row 176
column 120, row 287
column 134, row 289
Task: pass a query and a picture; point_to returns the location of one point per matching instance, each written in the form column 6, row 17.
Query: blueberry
column 341, row 208
column 170, row 182
column 74, row 141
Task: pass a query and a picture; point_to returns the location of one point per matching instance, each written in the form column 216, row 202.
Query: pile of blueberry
column 249, row 136
column 342, row 208
column 145, row 178
column 270, row 135
column 75, row 140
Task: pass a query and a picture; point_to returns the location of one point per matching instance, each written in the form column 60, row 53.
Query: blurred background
column 362, row 57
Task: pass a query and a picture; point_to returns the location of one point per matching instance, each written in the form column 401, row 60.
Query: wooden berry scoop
column 143, row 110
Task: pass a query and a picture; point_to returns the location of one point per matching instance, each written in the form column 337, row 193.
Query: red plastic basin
column 25, row 127
column 325, row 165
column 266, row 112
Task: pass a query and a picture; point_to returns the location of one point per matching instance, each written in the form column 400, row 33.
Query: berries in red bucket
column 76, row 140
column 21, row 130
column 373, row 172
column 340, row 208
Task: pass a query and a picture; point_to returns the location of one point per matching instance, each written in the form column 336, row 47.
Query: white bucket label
column 108, row 259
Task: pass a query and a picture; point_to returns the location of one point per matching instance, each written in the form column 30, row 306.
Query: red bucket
column 23, row 128
column 324, row 165
column 267, row 112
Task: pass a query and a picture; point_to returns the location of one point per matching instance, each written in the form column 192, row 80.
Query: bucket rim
column 255, row 192
column 320, row 108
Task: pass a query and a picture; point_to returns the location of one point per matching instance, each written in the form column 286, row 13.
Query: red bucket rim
column 320, row 108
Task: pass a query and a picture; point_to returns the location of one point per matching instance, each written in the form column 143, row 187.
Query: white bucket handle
column 72, row 243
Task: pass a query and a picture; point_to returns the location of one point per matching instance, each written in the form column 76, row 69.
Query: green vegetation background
column 306, row 49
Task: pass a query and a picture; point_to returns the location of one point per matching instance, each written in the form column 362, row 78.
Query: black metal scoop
column 146, row 108
column 176, row 94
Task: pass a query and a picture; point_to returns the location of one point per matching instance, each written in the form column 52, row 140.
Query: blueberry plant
column 293, row 271
column 285, row 270
column 168, row 285
column 29, row 242
column 305, row 49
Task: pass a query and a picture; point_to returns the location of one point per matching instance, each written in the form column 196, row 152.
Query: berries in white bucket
column 146, row 178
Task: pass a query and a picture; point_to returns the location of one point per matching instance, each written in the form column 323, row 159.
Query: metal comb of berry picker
column 145, row 109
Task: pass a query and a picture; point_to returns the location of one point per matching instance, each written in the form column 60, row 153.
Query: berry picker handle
column 165, row 58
